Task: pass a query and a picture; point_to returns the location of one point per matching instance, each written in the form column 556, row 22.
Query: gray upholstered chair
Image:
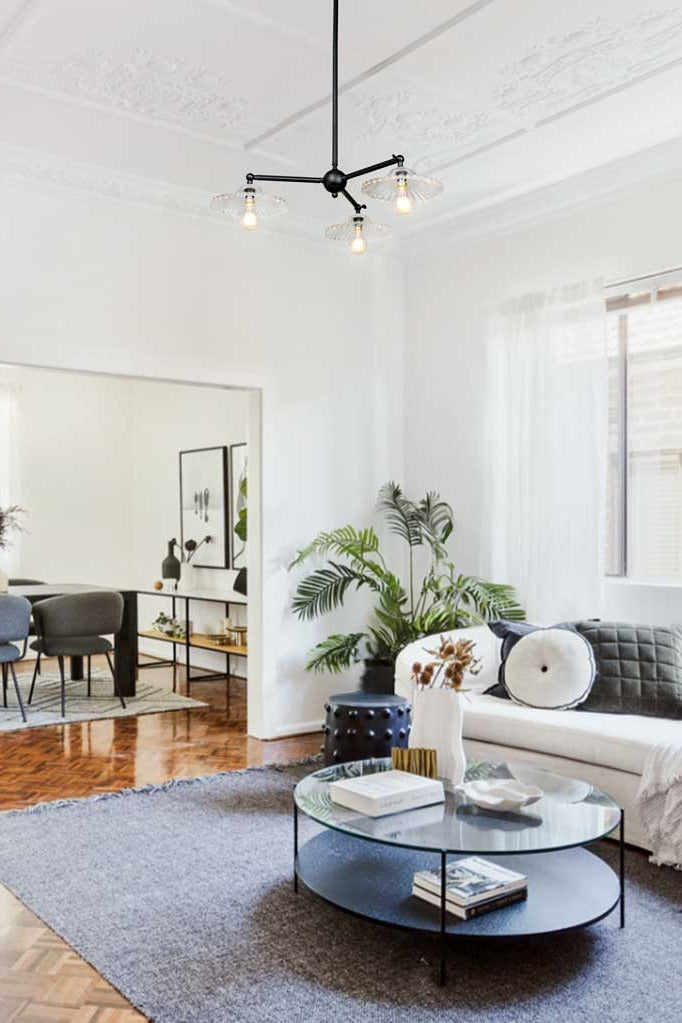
column 15, row 615
column 76, row 626
column 27, row 582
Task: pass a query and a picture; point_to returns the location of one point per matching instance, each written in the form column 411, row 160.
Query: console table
column 197, row 640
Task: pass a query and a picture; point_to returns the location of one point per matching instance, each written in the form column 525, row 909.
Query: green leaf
column 324, row 590
column 240, row 527
column 490, row 600
column 401, row 514
column 355, row 544
column 336, row 653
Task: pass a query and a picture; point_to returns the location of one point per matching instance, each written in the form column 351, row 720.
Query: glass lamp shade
column 357, row 231
column 249, row 201
column 403, row 187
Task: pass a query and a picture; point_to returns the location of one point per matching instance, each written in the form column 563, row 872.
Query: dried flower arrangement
column 452, row 661
column 10, row 522
column 191, row 546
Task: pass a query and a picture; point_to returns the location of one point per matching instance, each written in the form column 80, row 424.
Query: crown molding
column 34, row 168
column 514, row 211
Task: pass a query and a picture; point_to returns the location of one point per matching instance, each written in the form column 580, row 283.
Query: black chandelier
column 402, row 186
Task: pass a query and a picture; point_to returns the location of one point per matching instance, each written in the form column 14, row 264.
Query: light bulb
column 403, row 202
column 249, row 220
column 358, row 245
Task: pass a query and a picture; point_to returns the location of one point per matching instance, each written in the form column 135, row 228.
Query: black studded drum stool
column 363, row 725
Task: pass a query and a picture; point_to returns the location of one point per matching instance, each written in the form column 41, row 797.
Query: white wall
column 92, row 284
column 451, row 283
column 74, row 446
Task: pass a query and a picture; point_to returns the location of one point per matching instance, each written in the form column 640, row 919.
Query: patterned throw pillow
column 639, row 669
column 551, row 669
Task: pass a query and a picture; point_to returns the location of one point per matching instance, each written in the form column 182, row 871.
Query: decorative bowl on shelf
column 501, row 794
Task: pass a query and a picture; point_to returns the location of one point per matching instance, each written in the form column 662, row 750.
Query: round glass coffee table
column 365, row 865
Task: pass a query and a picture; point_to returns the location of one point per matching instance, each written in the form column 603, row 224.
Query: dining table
column 125, row 641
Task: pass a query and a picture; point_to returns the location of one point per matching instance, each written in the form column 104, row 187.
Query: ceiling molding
column 15, row 25
column 37, row 169
column 256, row 17
column 370, row 72
column 510, row 213
column 561, row 77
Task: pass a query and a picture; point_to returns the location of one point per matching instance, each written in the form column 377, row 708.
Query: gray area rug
column 182, row 898
column 103, row 703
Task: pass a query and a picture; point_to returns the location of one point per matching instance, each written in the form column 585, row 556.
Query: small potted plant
column 170, row 626
column 10, row 523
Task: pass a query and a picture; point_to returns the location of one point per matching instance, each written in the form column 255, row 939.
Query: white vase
column 4, row 582
column 437, row 724
column 188, row 576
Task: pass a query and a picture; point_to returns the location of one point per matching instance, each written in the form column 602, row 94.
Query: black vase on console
column 170, row 566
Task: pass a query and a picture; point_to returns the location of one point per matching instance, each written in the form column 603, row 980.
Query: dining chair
column 76, row 625
column 27, row 582
column 15, row 616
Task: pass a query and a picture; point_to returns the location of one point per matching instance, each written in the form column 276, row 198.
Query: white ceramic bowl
column 501, row 794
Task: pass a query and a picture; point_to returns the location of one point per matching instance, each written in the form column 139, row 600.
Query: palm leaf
column 336, row 653
column 401, row 514
column 437, row 519
column 347, row 541
column 324, row 590
column 490, row 600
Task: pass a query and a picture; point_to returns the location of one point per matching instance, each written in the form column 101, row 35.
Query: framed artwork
column 204, row 505
column 238, row 504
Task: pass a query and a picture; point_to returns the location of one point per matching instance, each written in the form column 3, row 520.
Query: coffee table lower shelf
column 567, row 889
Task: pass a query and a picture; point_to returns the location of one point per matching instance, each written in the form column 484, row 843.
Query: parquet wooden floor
column 42, row 980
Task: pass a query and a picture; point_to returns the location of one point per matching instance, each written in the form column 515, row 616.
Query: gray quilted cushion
column 639, row 669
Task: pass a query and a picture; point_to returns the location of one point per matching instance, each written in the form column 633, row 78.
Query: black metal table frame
column 443, row 854
column 210, row 676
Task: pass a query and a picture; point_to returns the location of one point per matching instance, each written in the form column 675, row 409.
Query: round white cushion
column 551, row 668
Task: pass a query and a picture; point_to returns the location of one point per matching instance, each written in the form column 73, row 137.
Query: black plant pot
column 378, row 677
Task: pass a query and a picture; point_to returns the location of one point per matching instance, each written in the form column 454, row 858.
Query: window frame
column 620, row 297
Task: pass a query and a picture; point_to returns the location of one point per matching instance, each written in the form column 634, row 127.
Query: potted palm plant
column 436, row 599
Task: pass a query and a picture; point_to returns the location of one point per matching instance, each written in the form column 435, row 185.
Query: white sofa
column 606, row 750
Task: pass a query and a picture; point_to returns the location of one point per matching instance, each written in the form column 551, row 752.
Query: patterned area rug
column 181, row 896
column 103, row 703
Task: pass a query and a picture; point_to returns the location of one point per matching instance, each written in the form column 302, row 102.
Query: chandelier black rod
column 398, row 159
column 282, row 177
column 358, row 207
column 334, row 180
column 335, row 87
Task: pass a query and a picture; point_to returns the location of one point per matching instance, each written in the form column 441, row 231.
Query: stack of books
column 472, row 886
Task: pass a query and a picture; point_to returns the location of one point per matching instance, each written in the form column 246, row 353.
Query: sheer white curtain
column 546, row 419
column 9, row 462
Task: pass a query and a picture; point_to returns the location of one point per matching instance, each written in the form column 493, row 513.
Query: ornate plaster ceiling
column 498, row 98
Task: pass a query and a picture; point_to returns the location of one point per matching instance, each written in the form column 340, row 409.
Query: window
column 644, row 481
